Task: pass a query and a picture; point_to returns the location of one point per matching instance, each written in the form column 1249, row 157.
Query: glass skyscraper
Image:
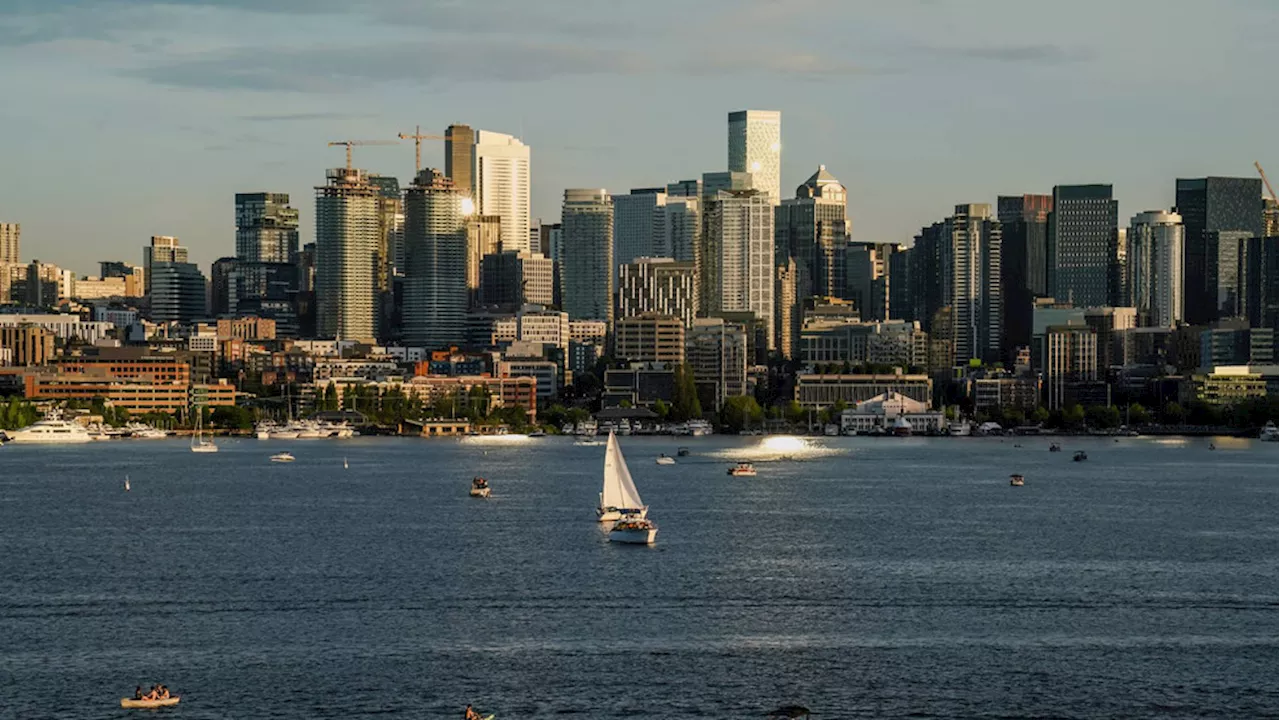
column 1081, row 244
column 436, row 296
column 755, row 146
column 346, row 254
column 1206, row 205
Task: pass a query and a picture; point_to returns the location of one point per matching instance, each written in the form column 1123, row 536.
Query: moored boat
column 198, row 442
column 619, row 496
column 634, row 531
column 52, row 430
column 901, row 427
column 1269, row 433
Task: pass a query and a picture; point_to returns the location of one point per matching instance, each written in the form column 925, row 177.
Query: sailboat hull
column 616, row 515
column 634, row 537
column 204, row 448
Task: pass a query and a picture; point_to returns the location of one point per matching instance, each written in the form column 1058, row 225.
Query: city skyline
column 872, row 116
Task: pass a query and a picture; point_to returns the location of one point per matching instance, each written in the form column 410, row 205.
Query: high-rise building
column 346, row 256
column 657, row 285
column 716, row 351
column 679, row 231
column 1226, row 273
column 813, row 229
column 458, row 143
column 1209, row 204
column 1106, row 322
column 786, row 311
column 637, row 228
column 221, row 294
column 1262, row 287
column 10, row 234
column 177, row 292
column 500, row 184
column 484, row 237
column 1081, row 246
column 737, row 263
column 1069, row 355
column 868, row 283
column 1024, row 225
column 1270, row 219
column 755, row 146
column 436, row 293
column 266, row 228
column 163, row 248
column 685, row 188
column 1118, row 294
column 650, row 337
column 714, row 183
column 512, row 278
column 587, row 267
column 1156, row 246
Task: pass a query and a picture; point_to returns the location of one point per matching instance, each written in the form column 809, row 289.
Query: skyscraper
column 680, row 228
column 512, row 278
column 500, row 184
column 587, row 267
column 1024, row 225
column 266, row 228
column 755, row 146
column 868, row 282
column 484, row 237
column 1209, row 204
column 786, row 310
column 10, row 234
column 1156, row 247
column 657, row 285
column 737, row 264
column 636, row 225
column 1225, row 273
column 1081, row 247
column 346, row 256
column 813, row 229
column 163, row 248
column 458, row 142
column 177, row 292
column 435, row 293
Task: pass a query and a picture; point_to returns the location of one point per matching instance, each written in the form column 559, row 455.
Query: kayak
column 163, row 702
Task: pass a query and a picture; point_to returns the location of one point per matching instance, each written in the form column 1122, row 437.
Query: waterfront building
column 587, row 269
column 1156, row 247
column 637, row 227
column 813, row 229
column 1226, row 385
column 755, row 146
column 1206, row 205
column 882, row 412
column 657, row 285
column 650, row 337
column 737, row 261
column 1081, row 244
column 436, row 293
column 346, row 254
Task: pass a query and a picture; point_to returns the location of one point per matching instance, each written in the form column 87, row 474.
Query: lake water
column 864, row 578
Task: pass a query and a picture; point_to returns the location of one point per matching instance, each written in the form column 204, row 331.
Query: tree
column 1013, row 417
column 1103, row 416
column 330, row 401
column 1172, row 414
column 1138, row 415
column 685, row 404
column 661, row 408
column 1073, row 416
column 1040, row 415
column 794, row 412
column 231, row 416
column 741, row 412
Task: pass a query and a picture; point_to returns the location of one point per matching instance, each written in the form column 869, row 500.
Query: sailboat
column 198, row 443
column 345, row 466
column 619, row 496
column 126, row 483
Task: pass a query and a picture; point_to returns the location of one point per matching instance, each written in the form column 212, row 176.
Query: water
column 864, row 578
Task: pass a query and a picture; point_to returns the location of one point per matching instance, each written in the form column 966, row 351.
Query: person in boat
column 137, row 693
column 153, row 695
column 471, row 714
column 164, row 693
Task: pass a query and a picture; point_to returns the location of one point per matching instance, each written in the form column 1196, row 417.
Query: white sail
column 619, row 490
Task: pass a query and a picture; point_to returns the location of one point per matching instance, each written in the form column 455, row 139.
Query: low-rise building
column 25, row 345
column 815, row 391
column 1230, row 384
column 650, row 337
column 881, row 412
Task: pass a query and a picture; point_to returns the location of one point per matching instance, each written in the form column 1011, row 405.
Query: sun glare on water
column 783, row 443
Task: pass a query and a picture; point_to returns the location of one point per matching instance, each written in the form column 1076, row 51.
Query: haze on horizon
column 124, row 119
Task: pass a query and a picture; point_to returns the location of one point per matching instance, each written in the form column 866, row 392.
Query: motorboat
column 52, row 430
column 699, row 428
column 831, row 430
column 743, row 469
column 634, row 531
column 283, row 457
column 1080, row 456
column 1016, row 480
column 584, row 441
column 157, row 703
column 682, row 452
column 1055, row 447
column 665, row 459
column 198, row 442
column 480, row 487
column 1269, row 432
column 98, row 432
column 263, row 430
column 145, row 432
column 619, row 497
column 901, row 427
column 284, row 433
column 960, row 429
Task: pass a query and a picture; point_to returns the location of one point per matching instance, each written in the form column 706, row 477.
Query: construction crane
column 417, row 137
column 351, row 143
column 1270, row 190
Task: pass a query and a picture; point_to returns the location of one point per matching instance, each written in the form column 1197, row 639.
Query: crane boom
column 1270, row 190
column 417, row 137
column 350, row 143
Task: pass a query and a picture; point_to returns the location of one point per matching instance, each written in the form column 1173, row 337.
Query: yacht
column 831, row 430
column 634, row 531
column 52, row 430
column 264, row 429
column 1269, row 432
column 145, row 432
column 901, row 427
column 619, row 497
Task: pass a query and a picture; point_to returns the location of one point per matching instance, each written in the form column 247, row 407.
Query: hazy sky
column 120, row 119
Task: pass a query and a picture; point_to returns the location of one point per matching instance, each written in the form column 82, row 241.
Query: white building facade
column 500, row 173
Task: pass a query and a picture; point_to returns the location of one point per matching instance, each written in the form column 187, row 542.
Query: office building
column 1206, row 205
column 1070, row 356
column 716, row 352
column 650, row 337
column 755, row 146
column 177, row 292
column 221, row 294
column 458, row 144
column 266, row 228
column 1024, row 227
column 1156, row 246
column 1233, row 342
column 436, row 293
column 500, row 184
column 587, row 268
column 10, row 248
column 346, row 293
column 1225, row 255
column 657, row 285
column 637, row 228
column 1081, row 246
column 737, row 266
column 685, row 188
column 786, row 310
column 813, row 228
column 484, row 237
column 513, row 278
column 1260, row 268
column 679, row 232
column 163, row 248
column 868, row 279
column 1107, row 323
column 714, row 183
column 25, row 345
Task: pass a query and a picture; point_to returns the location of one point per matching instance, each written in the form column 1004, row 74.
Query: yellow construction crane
column 351, row 143
column 417, row 137
column 1270, row 191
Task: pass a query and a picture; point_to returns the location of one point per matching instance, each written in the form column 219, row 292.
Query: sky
column 122, row 119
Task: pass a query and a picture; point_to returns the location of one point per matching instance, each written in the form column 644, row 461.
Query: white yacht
column 619, row 497
column 698, row 428
column 145, row 432
column 52, row 430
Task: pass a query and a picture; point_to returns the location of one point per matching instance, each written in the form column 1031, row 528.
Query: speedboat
column 634, row 531
column 619, row 497
column 1055, row 447
column 1269, row 432
column 159, row 702
column 52, row 430
column 665, row 459
column 480, row 487
column 1080, row 456
column 683, row 452
column 743, row 469
column 1016, row 480
column 283, row 457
